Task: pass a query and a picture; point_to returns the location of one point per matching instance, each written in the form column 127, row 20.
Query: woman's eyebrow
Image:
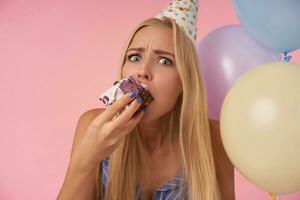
column 156, row 51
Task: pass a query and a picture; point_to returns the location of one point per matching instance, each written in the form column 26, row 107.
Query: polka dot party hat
column 185, row 14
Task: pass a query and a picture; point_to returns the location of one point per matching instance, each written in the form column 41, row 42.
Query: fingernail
column 140, row 100
column 132, row 95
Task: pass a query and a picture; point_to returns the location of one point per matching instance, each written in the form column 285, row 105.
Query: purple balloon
column 225, row 54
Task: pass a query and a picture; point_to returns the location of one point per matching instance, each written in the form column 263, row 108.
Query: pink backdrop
column 56, row 57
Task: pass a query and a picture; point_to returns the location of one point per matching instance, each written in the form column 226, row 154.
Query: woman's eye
column 133, row 57
column 165, row 61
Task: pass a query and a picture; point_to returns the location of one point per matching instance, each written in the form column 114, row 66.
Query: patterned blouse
column 169, row 191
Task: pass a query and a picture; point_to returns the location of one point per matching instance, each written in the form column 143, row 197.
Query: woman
column 172, row 151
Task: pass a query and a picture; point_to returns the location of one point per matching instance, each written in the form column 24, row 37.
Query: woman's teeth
column 144, row 85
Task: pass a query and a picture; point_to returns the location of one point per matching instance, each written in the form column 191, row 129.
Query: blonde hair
column 188, row 122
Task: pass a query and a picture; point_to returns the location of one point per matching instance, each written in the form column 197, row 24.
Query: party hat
column 185, row 14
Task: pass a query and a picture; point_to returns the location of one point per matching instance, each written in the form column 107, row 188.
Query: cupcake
column 124, row 86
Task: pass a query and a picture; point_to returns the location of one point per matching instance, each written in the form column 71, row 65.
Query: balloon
column 260, row 126
column 275, row 23
column 224, row 55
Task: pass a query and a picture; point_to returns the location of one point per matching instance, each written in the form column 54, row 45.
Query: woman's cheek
column 126, row 72
column 164, row 103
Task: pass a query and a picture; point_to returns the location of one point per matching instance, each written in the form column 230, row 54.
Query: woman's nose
column 144, row 71
column 143, row 76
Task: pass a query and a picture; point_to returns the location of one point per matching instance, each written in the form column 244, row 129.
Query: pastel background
column 56, row 57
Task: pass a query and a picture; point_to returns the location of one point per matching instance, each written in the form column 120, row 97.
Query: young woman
column 171, row 151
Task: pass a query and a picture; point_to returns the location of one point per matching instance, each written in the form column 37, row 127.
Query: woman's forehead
column 154, row 37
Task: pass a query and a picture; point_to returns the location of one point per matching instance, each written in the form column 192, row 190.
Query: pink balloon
column 225, row 54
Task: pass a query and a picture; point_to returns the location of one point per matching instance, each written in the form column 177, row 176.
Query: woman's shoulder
column 88, row 116
column 92, row 113
column 215, row 132
column 224, row 167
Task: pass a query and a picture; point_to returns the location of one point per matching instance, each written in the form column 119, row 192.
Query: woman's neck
column 154, row 139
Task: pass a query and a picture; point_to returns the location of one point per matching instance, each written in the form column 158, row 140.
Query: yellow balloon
column 260, row 126
column 272, row 196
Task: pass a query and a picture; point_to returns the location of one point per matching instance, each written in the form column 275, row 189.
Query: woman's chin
column 145, row 117
column 148, row 114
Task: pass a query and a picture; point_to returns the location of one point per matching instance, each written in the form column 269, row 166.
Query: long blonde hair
column 188, row 122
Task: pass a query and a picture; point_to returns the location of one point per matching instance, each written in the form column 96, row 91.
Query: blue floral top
column 169, row 191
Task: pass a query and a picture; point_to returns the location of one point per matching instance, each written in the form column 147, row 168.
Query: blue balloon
column 274, row 23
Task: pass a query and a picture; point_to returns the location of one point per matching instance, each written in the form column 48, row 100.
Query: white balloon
column 260, row 126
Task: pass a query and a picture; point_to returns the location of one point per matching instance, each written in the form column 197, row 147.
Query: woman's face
column 150, row 59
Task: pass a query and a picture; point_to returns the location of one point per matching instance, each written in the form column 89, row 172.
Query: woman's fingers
column 129, row 126
column 124, row 122
column 127, row 114
column 135, row 120
column 117, row 106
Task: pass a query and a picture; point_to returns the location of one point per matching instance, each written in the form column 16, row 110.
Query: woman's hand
column 106, row 131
